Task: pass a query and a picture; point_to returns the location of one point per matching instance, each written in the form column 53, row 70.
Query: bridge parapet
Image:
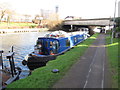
column 89, row 22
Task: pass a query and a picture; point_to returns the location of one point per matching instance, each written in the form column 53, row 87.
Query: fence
column 3, row 31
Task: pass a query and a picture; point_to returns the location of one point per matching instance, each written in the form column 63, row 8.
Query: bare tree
column 37, row 19
column 5, row 10
column 9, row 14
column 2, row 15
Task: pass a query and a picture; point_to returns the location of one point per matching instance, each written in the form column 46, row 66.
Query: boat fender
column 52, row 54
column 30, row 55
column 24, row 62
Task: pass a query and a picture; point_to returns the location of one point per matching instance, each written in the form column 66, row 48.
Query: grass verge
column 112, row 53
column 44, row 78
column 17, row 24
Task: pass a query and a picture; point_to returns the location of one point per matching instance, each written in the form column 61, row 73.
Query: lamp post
column 113, row 30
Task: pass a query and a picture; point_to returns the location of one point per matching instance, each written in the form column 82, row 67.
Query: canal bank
column 44, row 78
column 4, row 31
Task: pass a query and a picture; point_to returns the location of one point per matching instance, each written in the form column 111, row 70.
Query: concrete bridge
column 88, row 23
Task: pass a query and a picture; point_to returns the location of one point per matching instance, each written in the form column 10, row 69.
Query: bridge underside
column 73, row 27
column 76, row 27
column 69, row 28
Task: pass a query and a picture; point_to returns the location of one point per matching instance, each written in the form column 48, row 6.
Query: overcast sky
column 80, row 8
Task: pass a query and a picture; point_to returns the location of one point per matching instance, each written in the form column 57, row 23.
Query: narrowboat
column 51, row 45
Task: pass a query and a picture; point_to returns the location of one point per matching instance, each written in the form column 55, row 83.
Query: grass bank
column 44, row 78
column 112, row 53
column 12, row 24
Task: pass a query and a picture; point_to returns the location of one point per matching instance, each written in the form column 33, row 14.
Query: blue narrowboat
column 49, row 47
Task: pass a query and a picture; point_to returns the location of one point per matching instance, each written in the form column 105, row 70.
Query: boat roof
column 57, row 34
column 51, row 38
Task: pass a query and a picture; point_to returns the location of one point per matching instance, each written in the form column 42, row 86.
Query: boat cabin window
column 51, row 44
column 46, row 43
column 38, row 46
column 55, row 46
column 39, row 42
column 67, row 43
column 75, row 39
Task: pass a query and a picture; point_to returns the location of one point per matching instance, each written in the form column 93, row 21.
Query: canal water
column 23, row 44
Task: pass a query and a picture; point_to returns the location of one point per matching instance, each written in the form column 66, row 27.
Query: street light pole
column 113, row 30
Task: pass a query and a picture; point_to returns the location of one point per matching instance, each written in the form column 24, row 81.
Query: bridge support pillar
column 71, row 28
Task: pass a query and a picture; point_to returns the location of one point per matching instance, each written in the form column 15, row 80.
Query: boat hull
column 34, row 62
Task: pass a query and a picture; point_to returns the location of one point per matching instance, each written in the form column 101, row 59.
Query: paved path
column 91, row 71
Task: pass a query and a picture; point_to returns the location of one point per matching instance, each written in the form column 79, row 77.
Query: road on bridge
column 91, row 71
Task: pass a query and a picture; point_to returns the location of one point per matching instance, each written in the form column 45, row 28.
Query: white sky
column 80, row 8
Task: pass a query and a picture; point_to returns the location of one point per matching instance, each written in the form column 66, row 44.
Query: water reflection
column 23, row 44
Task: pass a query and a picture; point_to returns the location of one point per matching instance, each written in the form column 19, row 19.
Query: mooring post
column 13, row 65
column 1, row 60
column 12, row 48
column 9, row 56
column 13, row 61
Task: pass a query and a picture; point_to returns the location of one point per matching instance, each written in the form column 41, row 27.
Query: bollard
column 12, row 49
column 13, row 61
column 55, row 70
column 13, row 65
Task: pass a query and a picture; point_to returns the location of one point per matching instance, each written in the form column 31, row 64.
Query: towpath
column 91, row 71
